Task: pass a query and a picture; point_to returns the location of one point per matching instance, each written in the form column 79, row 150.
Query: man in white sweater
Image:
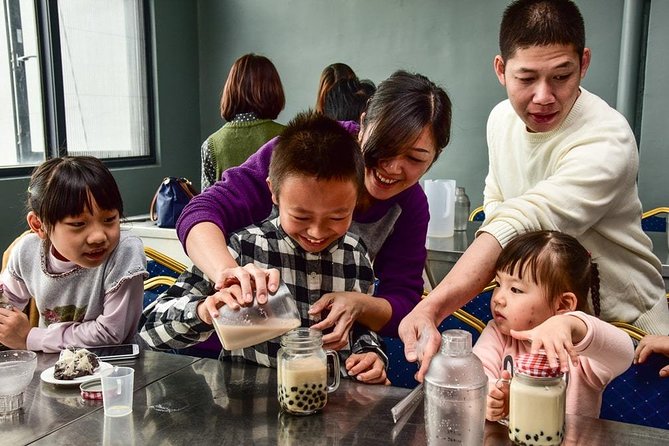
column 560, row 159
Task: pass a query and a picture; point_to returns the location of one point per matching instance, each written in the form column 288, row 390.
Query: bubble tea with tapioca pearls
column 536, row 402
column 302, row 370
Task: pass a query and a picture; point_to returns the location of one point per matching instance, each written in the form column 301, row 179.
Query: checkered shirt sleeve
column 171, row 321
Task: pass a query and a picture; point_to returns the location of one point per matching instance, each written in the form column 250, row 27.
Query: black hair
column 557, row 262
column 65, row 186
column 527, row 23
column 318, row 146
column 345, row 101
column 329, row 76
column 402, row 107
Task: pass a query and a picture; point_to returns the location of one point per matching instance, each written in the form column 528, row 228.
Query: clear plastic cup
column 254, row 324
column 117, row 390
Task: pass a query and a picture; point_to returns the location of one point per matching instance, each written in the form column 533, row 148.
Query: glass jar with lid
column 302, row 372
column 536, row 402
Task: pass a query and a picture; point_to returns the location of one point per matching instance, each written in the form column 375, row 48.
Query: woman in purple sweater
column 404, row 129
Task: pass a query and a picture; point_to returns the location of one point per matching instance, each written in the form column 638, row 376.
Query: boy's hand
column 653, row 344
column 208, row 308
column 14, row 328
column 497, row 406
column 367, row 367
column 342, row 311
column 556, row 335
column 249, row 277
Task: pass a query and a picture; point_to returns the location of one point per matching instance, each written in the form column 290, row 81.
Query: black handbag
column 170, row 199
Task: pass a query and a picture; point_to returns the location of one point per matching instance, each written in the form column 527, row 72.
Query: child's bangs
column 74, row 193
column 535, row 265
column 520, row 266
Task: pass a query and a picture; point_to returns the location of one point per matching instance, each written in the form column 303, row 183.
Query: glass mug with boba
column 303, row 369
column 537, row 397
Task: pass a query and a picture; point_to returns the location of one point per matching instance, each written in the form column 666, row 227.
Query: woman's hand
column 557, row 336
column 249, row 277
column 653, row 344
column 497, row 405
column 14, row 328
column 339, row 310
column 367, row 367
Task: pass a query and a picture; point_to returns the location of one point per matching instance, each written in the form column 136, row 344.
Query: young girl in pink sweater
column 544, row 280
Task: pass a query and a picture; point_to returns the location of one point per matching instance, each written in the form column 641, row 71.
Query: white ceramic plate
column 47, row 376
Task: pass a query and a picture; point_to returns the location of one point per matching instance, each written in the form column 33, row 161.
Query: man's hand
column 421, row 339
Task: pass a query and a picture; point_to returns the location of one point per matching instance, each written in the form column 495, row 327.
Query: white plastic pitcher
column 441, row 200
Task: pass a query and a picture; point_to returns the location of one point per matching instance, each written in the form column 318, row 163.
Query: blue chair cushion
column 156, row 269
column 479, row 306
column 639, row 396
column 654, row 223
column 479, row 216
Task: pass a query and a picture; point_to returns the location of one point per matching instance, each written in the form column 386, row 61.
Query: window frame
column 53, row 112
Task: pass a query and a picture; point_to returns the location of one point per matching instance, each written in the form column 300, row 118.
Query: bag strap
column 187, row 187
column 153, row 214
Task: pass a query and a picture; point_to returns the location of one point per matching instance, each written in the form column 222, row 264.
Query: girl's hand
column 497, row 406
column 14, row 328
column 367, row 367
column 652, row 344
column 249, row 277
column 208, row 308
column 556, row 336
column 340, row 311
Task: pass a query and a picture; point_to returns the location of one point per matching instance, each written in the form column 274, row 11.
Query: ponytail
column 594, row 288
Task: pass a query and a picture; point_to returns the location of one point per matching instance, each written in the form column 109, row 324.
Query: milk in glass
column 302, row 372
column 536, row 403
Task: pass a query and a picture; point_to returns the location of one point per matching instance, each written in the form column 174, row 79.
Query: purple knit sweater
column 242, row 197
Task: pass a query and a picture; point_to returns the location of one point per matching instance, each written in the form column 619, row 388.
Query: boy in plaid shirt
column 315, row 177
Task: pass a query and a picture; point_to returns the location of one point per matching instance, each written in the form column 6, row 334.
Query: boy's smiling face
column 315, row 213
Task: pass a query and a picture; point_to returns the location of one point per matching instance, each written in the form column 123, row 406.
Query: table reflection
column 213, row 402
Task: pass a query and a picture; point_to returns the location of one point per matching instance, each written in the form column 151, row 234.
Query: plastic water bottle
column 462, row 206
column 455, row 393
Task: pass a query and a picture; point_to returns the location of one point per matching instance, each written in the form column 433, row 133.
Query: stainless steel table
column 48, row 408
column 443, row 252
column 212, row 402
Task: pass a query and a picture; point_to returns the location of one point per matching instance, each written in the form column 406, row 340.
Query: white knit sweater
column 580, row 179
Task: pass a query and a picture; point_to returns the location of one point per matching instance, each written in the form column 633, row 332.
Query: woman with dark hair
column 346, row 100
column 329, row 76
column 252, row 98
column 404, row 129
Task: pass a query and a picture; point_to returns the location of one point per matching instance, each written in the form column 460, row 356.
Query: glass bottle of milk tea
column 536, row 402
column 302, row 372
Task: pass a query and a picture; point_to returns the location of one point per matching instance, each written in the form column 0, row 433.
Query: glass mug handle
column 335, row 370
